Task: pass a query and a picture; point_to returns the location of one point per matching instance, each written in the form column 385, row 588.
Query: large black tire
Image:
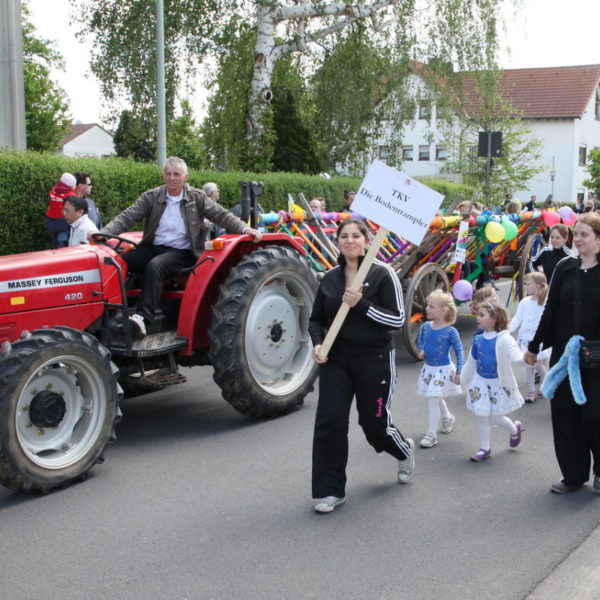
column 428, row 277
column 58, row 406
column 260, row 347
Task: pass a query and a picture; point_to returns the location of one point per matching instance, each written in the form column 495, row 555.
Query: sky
column 542, row 33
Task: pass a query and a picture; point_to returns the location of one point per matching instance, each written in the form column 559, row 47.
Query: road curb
column 577, row 577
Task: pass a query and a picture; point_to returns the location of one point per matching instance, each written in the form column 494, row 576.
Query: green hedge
column 26, row 179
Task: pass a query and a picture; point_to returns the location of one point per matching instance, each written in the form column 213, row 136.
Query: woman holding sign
column 361, row 363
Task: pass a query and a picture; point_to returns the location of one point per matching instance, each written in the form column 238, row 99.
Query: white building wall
column 557, row 138
column 93, row 142
column 561, row 142
column 587, row 133
column 421, row 132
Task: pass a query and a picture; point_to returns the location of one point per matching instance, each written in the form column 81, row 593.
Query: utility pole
column 161, row 113
column 12, row 89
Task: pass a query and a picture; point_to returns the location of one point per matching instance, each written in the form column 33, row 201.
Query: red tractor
column 66, row 347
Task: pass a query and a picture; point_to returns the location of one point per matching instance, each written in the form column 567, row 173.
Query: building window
column 440, row 153
column 408, row 153
column 425, row 110
column 384, row 152
column 424, row 153
column 582, row 156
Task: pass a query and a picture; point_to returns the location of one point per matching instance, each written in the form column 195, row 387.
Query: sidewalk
column 575, row 578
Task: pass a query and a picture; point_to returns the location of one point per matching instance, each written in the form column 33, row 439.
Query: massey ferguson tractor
column 66, row 347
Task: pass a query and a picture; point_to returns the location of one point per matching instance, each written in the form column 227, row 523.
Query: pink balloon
column 462, row 290
column 571, row 221
column 551, row 218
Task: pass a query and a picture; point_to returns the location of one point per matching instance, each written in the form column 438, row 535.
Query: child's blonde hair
column 483, row 294
column 539, row 279
column 498, row 313
column 447, row 302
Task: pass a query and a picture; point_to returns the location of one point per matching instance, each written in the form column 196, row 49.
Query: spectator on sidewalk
column 83, row 189
column 55, row 222
column 76, row 215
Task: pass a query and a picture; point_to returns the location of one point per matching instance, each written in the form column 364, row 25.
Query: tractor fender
column 211, row 270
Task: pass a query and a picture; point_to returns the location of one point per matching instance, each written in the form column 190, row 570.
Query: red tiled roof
column 545, row 93
column 77, row 129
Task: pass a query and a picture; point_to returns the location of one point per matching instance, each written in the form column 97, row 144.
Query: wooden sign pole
column 355, row 285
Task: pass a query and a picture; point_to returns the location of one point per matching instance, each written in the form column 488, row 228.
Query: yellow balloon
column 494, row 232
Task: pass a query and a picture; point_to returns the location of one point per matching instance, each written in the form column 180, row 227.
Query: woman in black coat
column 576, row 427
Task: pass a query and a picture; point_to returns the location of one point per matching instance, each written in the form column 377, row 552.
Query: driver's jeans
column 157, row 263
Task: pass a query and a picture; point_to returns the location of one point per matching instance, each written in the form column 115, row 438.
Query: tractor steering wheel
column 101, row 238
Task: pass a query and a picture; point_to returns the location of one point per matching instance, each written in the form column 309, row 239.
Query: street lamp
column 552, row 176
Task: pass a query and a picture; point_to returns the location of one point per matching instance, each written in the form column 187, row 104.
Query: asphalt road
column 197, row 502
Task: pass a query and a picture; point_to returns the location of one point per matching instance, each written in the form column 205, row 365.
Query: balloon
column 481, row 220
column 571, row 221
column 436, row 223
column 462, row 290
column 551, row 218
column 510, row 230
column 565, row 213
column 494, row 232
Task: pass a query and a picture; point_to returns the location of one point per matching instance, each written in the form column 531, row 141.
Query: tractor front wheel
column 260, row 347
column 58, row 407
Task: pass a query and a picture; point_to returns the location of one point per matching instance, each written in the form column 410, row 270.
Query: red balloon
column 551, row 218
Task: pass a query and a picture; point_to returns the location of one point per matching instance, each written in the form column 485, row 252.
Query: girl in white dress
column 492, row 391
column 526, row 320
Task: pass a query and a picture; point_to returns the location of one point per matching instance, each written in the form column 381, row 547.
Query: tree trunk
column 260, row 87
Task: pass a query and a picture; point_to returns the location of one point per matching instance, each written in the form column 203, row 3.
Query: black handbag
column 589, row 350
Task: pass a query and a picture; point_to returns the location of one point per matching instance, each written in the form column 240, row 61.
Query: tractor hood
column 50, row 278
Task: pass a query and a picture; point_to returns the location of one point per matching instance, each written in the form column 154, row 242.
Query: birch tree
column 449, row 30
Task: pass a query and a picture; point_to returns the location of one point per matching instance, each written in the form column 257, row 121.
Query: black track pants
column 371, row 379
column 577, row 429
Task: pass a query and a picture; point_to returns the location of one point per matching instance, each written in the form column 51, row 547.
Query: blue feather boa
column 567, row 365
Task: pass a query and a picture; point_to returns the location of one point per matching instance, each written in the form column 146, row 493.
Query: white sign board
column 397, row 202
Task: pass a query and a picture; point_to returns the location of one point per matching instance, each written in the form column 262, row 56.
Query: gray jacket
column 194, row 207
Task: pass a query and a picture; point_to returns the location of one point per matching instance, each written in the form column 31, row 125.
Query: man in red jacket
column 55, row 222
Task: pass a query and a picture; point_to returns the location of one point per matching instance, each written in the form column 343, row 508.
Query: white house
column 561, row 106
column 87, row 140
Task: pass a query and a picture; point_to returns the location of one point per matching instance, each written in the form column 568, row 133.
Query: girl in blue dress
column 439, row 377
column 493, row 392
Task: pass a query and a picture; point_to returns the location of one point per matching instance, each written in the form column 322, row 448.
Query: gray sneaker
column 325, row 505
column 406, row 467
column 447, row 424
column 428, row 441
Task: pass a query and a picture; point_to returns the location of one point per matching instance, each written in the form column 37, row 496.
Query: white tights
column 539, row 368
column 437, row 406
column 484, row 425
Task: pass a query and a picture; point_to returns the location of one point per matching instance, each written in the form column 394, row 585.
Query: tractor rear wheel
column 58, row 407
column 260, row 347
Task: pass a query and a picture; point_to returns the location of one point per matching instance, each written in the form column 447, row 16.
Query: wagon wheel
column 530, row 249
column 429, row 277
